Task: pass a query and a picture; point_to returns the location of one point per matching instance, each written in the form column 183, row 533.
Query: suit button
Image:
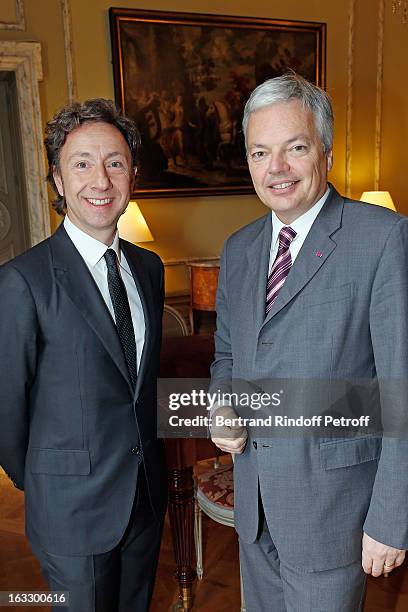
column 135, row 450
column 255, row 445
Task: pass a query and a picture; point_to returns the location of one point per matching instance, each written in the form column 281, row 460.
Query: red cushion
column 218, row 485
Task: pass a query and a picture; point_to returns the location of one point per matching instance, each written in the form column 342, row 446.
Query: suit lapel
column 314, row 252
column 143, row 285
column 73, row 276
column 257, row 267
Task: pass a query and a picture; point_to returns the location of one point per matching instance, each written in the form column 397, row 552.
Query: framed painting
column 184, row 78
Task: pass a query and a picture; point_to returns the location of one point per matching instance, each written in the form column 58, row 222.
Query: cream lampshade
column 132, row 225
column 380, row 198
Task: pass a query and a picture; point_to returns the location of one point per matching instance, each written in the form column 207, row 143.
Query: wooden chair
column 215, row 497
column 173, row 323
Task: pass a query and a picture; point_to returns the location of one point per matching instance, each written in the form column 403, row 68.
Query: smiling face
column 286, row 159
column 96, row 178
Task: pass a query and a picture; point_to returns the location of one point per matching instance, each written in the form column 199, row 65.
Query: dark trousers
column 120, row 580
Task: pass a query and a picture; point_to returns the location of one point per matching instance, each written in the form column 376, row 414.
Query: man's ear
column 330, row 161
column 58, row 181
column 133, row 178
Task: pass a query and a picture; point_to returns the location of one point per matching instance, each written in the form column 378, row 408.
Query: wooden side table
column 203, row 287
column 185, row 357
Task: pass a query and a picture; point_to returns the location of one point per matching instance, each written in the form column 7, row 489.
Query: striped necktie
column 281, row 266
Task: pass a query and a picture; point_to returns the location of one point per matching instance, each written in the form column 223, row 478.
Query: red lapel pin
column 319, row 254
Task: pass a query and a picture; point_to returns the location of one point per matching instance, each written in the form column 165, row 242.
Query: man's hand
column 231, row 439
column 378, row 558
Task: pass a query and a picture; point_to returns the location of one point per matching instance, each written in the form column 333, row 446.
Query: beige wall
column 197, row 227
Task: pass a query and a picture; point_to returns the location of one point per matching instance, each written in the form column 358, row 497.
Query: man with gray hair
column 313, row 295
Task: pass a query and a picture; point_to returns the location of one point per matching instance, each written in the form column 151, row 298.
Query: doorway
column 14, row 230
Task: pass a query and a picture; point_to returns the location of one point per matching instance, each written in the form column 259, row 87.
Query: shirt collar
column 89, row 248
column 302, row 224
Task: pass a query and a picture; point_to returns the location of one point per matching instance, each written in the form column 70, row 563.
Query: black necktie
column 123, row 316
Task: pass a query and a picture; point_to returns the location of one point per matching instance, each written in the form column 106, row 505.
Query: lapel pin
column 319, row 254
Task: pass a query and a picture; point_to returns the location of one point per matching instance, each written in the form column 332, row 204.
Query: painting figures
column 183, row 134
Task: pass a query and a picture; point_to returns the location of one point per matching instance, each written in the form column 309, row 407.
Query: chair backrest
column 173, row 322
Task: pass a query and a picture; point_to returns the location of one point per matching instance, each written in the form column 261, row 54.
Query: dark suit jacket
column 73, row 432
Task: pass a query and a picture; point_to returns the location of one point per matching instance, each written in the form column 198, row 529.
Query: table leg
column 191, row 318
column 181, row 514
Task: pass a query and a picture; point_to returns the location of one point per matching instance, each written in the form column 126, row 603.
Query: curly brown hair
column 68, row 119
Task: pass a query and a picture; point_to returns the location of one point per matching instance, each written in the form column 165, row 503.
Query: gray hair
column 294, row 87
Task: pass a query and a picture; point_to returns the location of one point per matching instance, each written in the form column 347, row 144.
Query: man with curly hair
column 80, row 327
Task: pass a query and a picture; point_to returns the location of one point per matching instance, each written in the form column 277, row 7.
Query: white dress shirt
column 301, row 226
column 92, row 252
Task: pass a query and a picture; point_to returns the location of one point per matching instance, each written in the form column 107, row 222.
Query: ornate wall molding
column 349, row 110
column 379, row 86
column 69, row 50
column 24, row 59
column 19, row 23
column 5, row 221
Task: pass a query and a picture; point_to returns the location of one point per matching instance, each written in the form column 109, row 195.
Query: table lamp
column 132, row 225
column 380, row 198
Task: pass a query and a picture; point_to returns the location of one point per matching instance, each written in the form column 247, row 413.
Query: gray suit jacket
column 339, row 325
column 73, row 431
